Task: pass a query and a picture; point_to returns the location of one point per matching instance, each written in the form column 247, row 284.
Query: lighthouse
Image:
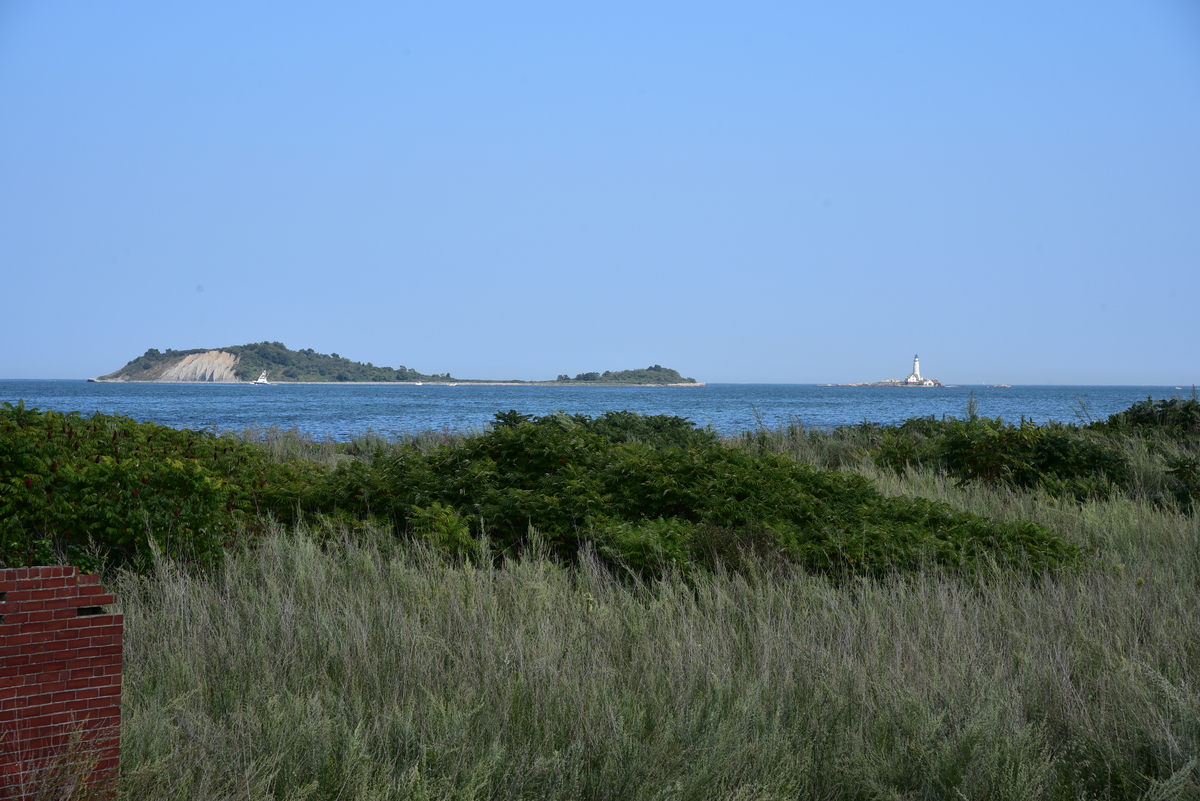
column 915, row 377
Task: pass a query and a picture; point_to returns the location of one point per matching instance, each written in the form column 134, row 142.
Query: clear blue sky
column 782, row 192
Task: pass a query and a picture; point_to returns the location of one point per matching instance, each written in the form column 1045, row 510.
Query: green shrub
column 1179, row 417
column 651, row 492
column 654, row 493
column 85, row 489
column 1061, row 460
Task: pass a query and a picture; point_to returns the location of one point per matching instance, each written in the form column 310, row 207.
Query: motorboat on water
column 262, row 380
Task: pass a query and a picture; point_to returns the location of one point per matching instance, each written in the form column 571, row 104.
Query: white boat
column 262, row 380
column 419, row 384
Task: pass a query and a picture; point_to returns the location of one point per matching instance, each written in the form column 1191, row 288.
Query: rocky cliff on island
column 245, row 363
column 214, row 366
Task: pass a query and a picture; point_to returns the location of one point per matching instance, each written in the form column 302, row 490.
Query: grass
column 291, row 444
column 326, row 665
column 330, row 659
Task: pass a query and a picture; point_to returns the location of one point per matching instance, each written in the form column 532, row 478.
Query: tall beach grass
column 321, row 664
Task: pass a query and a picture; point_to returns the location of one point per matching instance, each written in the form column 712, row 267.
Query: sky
column 779, row 192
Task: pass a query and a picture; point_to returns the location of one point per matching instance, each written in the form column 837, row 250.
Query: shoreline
column 465, row 383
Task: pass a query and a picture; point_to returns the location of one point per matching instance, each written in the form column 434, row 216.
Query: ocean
column 340, row 411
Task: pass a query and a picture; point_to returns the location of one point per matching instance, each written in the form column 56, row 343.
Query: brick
column 38, row 726
column 59, row 670
column 104, row 643
column 42, row 743
column 55, row 625
column 44, row 661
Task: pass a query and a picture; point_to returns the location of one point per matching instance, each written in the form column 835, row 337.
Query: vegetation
column 364, row 643
column 654, row 374
column 280, row 362
column 1149, row 451
column 654, row 494
column 107, row 488
column 285, row 365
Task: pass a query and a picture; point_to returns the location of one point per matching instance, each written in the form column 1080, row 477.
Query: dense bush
column 1171, row 429
column 107, row 487
column 1058, row 459
column 655, row 492
column 1173, row 416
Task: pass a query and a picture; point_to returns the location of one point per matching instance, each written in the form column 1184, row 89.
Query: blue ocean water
column 339, row 411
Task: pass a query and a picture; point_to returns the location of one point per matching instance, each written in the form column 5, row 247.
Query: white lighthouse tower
column 915, row 376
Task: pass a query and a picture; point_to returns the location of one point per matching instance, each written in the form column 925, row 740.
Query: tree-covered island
column 280, row 364
column 654, row 374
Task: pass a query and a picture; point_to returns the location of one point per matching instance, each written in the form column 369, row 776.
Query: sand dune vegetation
column 341, row 639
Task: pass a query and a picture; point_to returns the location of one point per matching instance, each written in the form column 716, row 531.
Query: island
column 265, row 363
column 914, row 380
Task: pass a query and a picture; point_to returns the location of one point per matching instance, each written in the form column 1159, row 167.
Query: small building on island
column 915, row 379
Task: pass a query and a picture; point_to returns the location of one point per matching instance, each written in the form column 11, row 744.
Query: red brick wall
column 60, row 682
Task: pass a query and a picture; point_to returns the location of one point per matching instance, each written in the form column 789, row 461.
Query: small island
column 914, row 379
column 654, row 374
column 266, row 363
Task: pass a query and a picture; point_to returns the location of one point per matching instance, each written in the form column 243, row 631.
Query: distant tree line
column 654, row 374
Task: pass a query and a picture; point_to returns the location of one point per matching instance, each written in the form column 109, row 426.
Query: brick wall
column 60, row 683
